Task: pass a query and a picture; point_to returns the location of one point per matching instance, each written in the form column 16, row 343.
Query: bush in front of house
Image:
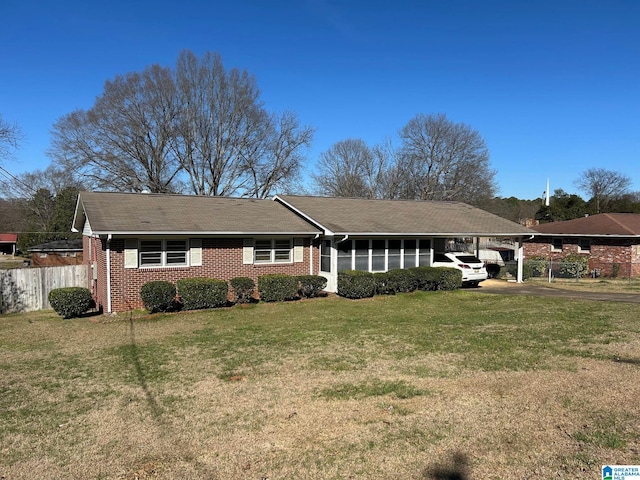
column 574, row 265
column 158, row 296
column 426, row 278
column 310, row 286
column 450, row 278
column 70, row 302
column 277, row 287
column 198, row 293
column 382, row 284
column 401, row 280
column 243, row 289
column 356, row 284
column 538, row 265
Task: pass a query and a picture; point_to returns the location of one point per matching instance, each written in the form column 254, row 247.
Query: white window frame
column 165, row 254
column 584, row 245
column 272, row 250
column 555, row 240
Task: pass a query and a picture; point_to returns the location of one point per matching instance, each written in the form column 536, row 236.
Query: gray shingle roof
column 122, row 213
column 613, row 224
column 379, row 217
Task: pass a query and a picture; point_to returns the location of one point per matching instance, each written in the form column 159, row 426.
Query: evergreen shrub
column 310, row 286
column 198, row 293
column 277, row 287
column 356, row 284
column 243, row 289
column 158, row 296
column 70, row 302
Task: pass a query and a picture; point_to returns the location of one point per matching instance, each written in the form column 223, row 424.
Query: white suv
column 472, row 268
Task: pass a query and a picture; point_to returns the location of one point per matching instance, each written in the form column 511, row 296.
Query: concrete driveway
column 501, row 287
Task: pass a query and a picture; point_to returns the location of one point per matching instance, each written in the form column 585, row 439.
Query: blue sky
column 552, row 86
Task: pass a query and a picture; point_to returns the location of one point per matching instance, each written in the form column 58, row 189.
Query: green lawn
column 427, row 385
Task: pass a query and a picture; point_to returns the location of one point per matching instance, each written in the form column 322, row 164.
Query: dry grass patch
column 417, row 386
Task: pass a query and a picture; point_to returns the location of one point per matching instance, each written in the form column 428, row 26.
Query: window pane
column 394, row 254
column 362, row 255
column 151, row 252
column 176, row 252
column 325, row 256
column 282, row 250
column 344, row 255
column 409, row 253
column 377, row 255
column 262, row 255
column 263, row 245
column 282, row 255
column 425, row 253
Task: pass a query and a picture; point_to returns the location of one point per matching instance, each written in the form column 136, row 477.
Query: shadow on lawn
column 453, row 469
column 142, row 379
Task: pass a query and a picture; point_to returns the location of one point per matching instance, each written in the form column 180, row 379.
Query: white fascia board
column 590, row 235
column 432, row 235
column 201, row 233
column 325, row 230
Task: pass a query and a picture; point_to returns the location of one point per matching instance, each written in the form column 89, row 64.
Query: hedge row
column 360, row 284
column 199, row 293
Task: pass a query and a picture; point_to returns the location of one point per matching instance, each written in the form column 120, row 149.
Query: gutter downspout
column 346, row 237
column 109, row 273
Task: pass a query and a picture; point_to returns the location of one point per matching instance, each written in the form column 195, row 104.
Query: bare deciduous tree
column 10, row 138
column 197, row 128
column 123, row 142
column 603, row 185
column 350, row 169
column 278, row 166
column 443, row 160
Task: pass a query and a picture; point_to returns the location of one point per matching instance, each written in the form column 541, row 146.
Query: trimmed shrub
column 277, row 287
column 382, row 284
column 158, row 296
column 243, row 289
column 311, row 285
column 356, row 284
column 450, row 278
column 199, row 293
column 537, row 265
column 401, row 280
column 70, row 302
column 426, row 278
column 574, row 265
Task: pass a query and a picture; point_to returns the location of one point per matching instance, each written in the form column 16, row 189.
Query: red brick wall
column 55, row 260
column 604, row 254
column 221, row 259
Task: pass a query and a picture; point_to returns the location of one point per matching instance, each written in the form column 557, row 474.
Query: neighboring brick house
column 130, row 239
column 611, row 241
column 57, row 253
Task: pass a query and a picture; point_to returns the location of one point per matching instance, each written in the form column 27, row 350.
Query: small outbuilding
column 57, row 253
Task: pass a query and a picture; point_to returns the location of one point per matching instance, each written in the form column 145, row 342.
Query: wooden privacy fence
column 27, row 289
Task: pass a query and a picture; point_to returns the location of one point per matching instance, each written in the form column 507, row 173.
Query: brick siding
column 221, row 259
column 604, row 253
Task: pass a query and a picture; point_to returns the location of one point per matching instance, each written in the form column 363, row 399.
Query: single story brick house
column 8, row 243
column 57, row 253
column 611, row 241
column 132, row 238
